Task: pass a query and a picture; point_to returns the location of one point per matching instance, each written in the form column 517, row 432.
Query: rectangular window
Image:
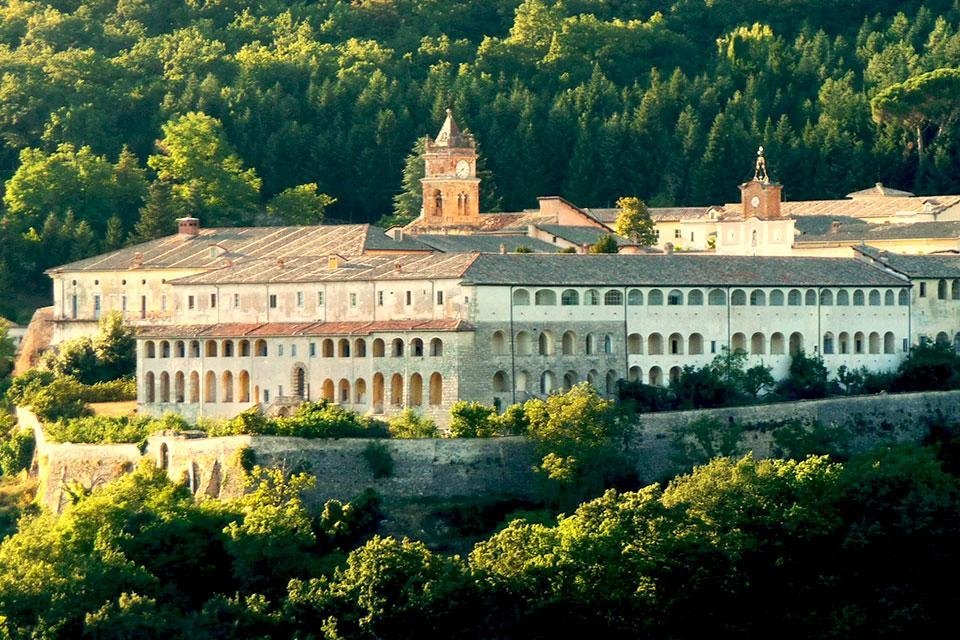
column 466, row 300
column 300, row 299
column 273, row 301
column 96, row 307
column 280, row 391
column 236, row 300
column 293, row 350
column 279, row 349
column 691, row 236
column 123, row 303
column 266, row 395
column 713, row 346
column 190, row 302
column 319, row 298
column 676, row 234
column 313, row 349
column 353, row 299
column 163, row 302
column 439, row 297
column 923, row 289
column 143, row 307
column 906, row 344
column 379, row 298
column 409, row 297
column 73, row 306
column 213, row 301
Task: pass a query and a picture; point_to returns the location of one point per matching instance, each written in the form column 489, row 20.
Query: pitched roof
column 450, row 134
column 408, row 266
column 211, row 247
column 859, row 231
column 484, row 243
column 676, row 269
column 580, row 235
column 277, row 329
column 879, row 191
column 913, row 266
column 659, row 214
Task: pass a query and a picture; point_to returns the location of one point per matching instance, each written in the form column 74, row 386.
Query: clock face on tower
column 755, row 201
column 463, row 169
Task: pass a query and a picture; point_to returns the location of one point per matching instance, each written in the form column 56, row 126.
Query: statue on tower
column 760, row 172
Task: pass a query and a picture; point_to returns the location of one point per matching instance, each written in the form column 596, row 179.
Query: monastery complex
column 447, row 309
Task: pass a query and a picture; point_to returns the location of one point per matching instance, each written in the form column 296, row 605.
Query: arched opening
column 796, row 343
column 758, row 298
column 655, row 298
column 150, row 349
column 634, row 344
column 654, row 344
column 359, row 348
column 777, row 344
column 843, row 298
column 655, row 377
column 244, row 348
column 903, row 299
column 593, row 377
column 149, row 387
column 591, row 298
column 378, row 348
column 524, row 344
column 343, row 348
column 758, row 344
column 521, row 298
column 210, row 349
column 675, row 298
column 180, row 349
column 889, row 342
column 569, row 380
column 695, row 298
column 776, row 298
column 343, row 387
column 164, row 387
column 569, row 298
column 545, row 297
column 635, row 374
column 210, row 387
column 164, row 349
column 843, row 342
column 955, row 289
column 226, row 386
column 436, row 390
column 793, row 298
column 613, row 298
column 194, row 387
column 360, row 391
column 500, row 382
column 396, row 348
column 738, row 343
column 608, row 344
column 326, row 348
column 499, row 343
column 378, row 392
column 874, row 298
column 611, row 382
column 676, row 344
column 396, row 390
column 942, row 339
column 547, row 382
column 261, row 348
column 738, row 298
column 859, row 344
column 195, row 349
column 858, row 298
column 826, row 298
column 436, row 347
column 227, row 348
column 889, row 299
column 416, row 348
column 828, row 343
column 696, row 344
column 416, row 390
column 179, row 387
column 810, row 298
column 591, row 345
column 941, row 289
column 874, row 342
column 717, row 297
column 243, row 387
column 635, row 298
column 327, row 390
column 299, row 382
column 545, row 343
column 523, row 381
column 674, row 374
column 568, row 343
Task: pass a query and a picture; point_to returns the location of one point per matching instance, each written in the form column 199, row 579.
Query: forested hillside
column 590, row 99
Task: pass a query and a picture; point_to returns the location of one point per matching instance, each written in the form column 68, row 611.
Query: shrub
column 16, row 446
column 704, row 439
column 797, row 440
column 929, row 367
column 312, row 420
column 807, row 379
column 472, row 420
column 379, row 459
column 62, row 398
column 103, row 429
column 410, row 424
column 111, row 390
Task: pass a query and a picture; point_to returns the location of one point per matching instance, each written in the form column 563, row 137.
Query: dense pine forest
column 117, row 116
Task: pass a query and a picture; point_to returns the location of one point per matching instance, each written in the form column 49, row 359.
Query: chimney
column 137, row 260
column 398, row 235
column 834, row 227
column 503, row 249
column 398, row 268
column 585, row 248
column 280, row 263
column 188, row 226
column 333, row 262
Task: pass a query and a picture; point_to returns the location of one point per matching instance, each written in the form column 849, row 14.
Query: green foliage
column 929, row 367
column 104, row 430
column 522, row 248
column 16, row 451
column 806, row 379
column 582, row 440
column 311, row 420
column 605, row 244
column 7, row 351
column 703, row 439
column 410, row 424
column 634, row 222
column 157, row 215
column 408, row 203
column 472, row 420
column 109, row 355
column 798, row 440
column 379, row 459
column 300, row 205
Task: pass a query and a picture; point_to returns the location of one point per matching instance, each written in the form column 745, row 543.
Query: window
column 163, row 302
column 190, row 302
column 923, row 289
column 655, row 297
column 279, row 349
column 319, row 298
column 674, row 298
column 738, row 298
column 273, row 300
column 545, row 297
column 379, row 298
column 695, row 298
column 569, row 298
column 353, row 300
column 811, row 298
column 613, row 298
column 96, row 306
column 123, row 303
column 236, row 301
column 293, row 350
column 635, row 297
column 858, row 298
column 409, row 298
column 521, row 297
column 213, row 301
column 591, row 297
column 143, row 307
column 313, row 349
column 793, row 298
column 300, row 299
column 758, row 298
column 713, row 346
column 716, row 297
column 903, row 298
column 843, row 298
column 676, row 234
column 440, row 298
column 776, row 298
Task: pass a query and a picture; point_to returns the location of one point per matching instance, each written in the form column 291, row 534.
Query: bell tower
column 451, row 188
column 760, row 197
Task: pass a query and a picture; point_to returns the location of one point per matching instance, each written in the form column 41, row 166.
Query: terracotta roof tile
column 280, row 329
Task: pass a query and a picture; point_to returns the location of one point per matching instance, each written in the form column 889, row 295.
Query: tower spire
column 760, row 171
column 450, row 134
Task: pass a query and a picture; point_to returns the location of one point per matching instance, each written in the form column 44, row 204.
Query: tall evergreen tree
column 157, row 215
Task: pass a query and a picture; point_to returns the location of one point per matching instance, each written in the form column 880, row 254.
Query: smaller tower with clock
column 760, row 197
column 451, row 188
